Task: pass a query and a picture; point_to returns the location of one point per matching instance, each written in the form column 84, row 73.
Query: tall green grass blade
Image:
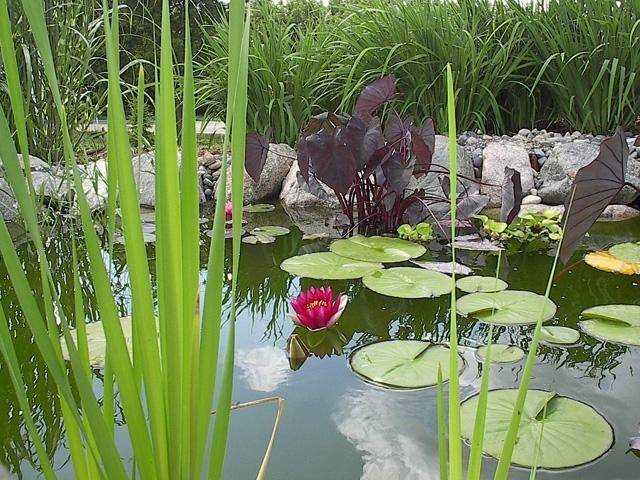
column 455, row 445
column 443, row 456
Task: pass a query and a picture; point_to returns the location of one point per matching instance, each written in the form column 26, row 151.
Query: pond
column 335, row 425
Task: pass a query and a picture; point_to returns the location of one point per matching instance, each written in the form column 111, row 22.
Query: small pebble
column 477, row 172
column 472, row 141
column 542, row 161
column 531, row 200
column 524, row 132
column 534, row 191
column 208, row 182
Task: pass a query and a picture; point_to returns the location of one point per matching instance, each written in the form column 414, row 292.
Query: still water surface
column 335, row 425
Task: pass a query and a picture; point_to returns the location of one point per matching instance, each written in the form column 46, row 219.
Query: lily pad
column 258, row 238
column 613, row 323
column 627, row 252
column 402, row 363
column 555, row 335
column 508, row 307
column 476, row 242
column 607, row 262
column 573, row 434
column 408, row 282
column 500, row 353
column 270, row 230
column 314, row 236
column 443, row 267
column 377, row 249
column 328, row 266
column 481, row 284
column 97, row 342
column 259, row 208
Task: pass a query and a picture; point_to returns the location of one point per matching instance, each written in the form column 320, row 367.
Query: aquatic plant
column 317, row 308
column 228, row 211
column 422, row 232
column 622, row 258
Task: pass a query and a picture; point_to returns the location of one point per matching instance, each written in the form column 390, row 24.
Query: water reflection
column 264, row 368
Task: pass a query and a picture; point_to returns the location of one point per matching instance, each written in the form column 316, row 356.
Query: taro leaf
column 507, row 307
column 397, row 174
column 374, row 95
column 326, row 122
column 396, row 129
column 573, row 434
column 556, row 335
column 259, row 208
column 609, row 263
column 445, row 184
column 618, row 324
column 362, row 140
column 443, row 267
column 303, row 157
column 500, row 353
column 408, row 282
column 511, row 195
column 470, row 205
column 594, row 188
column 256, row 155
column 378, row 157
column 423, row 142
column 377, row 249
column 270, row 230
column 402, row 363
column 481, row 284
column 332, row 160
column 328, row 266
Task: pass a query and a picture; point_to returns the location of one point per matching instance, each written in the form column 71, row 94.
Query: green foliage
column 530, row 229
column 422, row 232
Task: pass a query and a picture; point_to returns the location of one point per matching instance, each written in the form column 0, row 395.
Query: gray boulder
column 295, row 192
column 8, row 207
column 144, row 173
column 564, row 162
column 431, row 181
column 277, row 166
column 495, row 157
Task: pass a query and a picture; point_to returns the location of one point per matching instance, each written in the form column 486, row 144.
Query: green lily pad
column 270, row 230
column 481, row 284
column 627, row 252
column 259, row 208
column 613, row 323
column 377, row 249
column 408, row 282
column 314, row 236
column 508, row 307
column 258, row 238
column 559, row 335
column 328, row 266
column 500, row 353
column 402, row 363
column 97, row 342
column 573, row 434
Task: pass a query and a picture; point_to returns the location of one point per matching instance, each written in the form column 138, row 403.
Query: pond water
column 335, row 425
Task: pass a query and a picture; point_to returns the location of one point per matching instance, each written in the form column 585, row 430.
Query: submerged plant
column 317, row 308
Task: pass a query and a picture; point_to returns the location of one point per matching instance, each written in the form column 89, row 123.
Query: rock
column 8, row 206
column 524, row 132
column 431, row 181
column 472, row 141
column 497, row 156
column 563, row 164
column 531, row 200
column 314, row 220
column 534, row 191
column 616, row 213
column 277, row 166
column 95, row 184
column 295, row 192
column 144, row 172
column 476, row 158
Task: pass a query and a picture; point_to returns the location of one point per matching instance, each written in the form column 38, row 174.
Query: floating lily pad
column 476, row 242
column 402, row 363
column 559, row 335
column 508, row 307
column 627, row 252
column 607, row 262
column 314, row 236
column 328, row 266
column 228, row 233
column 97, row 342
column 259, row 208
column 481, row 284
column 443, row 267
column 270, row 230
column 613, row 323
column 573, row 434
column 258, row 238
column 408, row 282
column 500, row 353
column 377, row 249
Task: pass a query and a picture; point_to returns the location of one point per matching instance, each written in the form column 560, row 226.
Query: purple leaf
column 257, row 148
column 396, row 129
column 511, row 195
column 303, row 158
column 423, row 143
column 332, row 160
column 374, row 95
column 397, row 174
column 594, row 188
column 470, row 205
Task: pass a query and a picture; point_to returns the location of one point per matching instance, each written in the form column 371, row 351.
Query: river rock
column 563, row 164
column 497, row 156
column 616, row 213
column 295, row 192
column 8, row 207
column 279, row 160
column 144, row 173
column 531, row 200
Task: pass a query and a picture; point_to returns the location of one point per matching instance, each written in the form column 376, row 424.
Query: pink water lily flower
column 317, row 308
column 228, row 211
